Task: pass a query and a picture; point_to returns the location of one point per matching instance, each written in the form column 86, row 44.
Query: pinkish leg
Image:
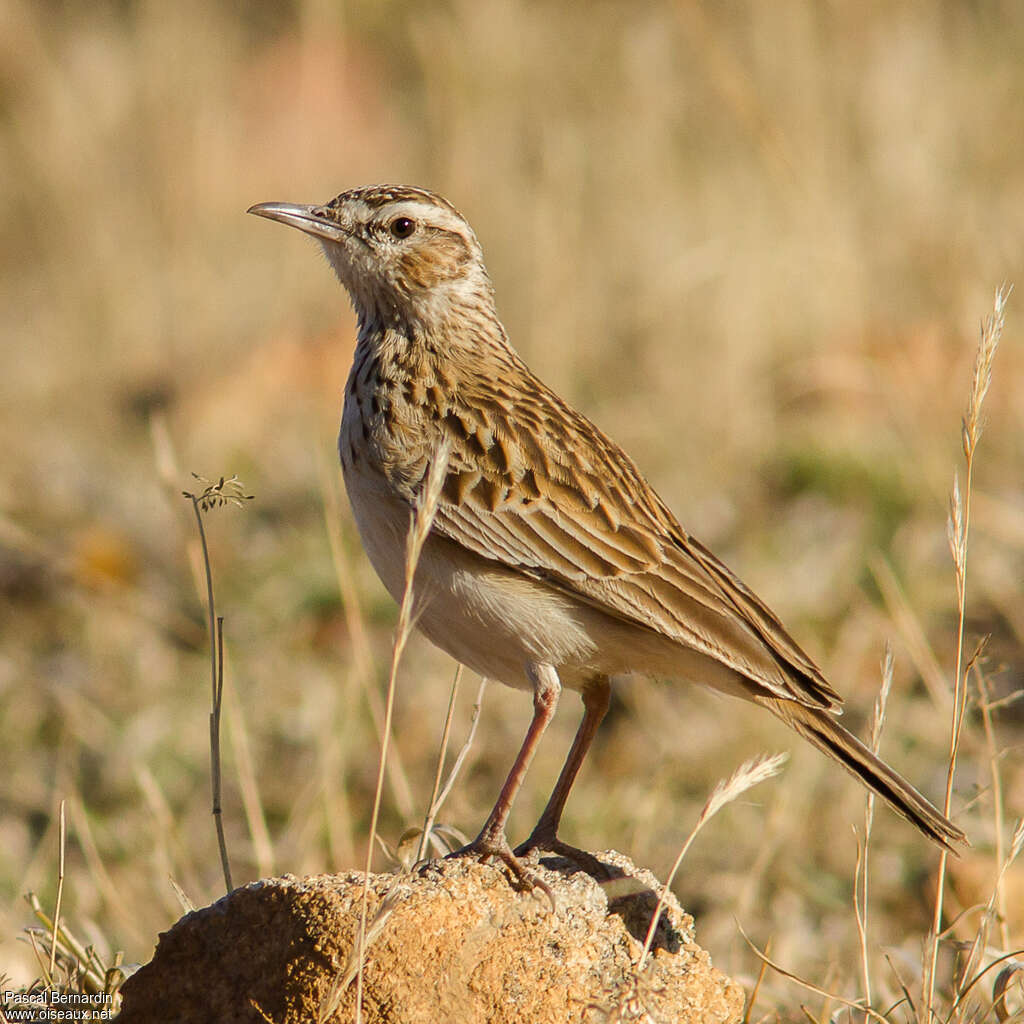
column 544, row 836
column 492, row 842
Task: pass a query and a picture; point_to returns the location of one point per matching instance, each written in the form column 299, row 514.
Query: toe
column 486, row 848
column 550, row 843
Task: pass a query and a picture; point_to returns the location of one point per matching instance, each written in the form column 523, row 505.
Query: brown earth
column 451, row 942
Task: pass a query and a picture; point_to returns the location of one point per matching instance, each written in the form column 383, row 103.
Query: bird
column 550, row 561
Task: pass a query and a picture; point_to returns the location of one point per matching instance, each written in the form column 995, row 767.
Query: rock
column 453, row 941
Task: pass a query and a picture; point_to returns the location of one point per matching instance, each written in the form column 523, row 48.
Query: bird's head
column 404, row 254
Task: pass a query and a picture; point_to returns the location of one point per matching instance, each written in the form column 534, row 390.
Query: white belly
column 491, row 619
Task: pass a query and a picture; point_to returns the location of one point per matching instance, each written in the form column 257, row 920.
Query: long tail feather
column 821, row 729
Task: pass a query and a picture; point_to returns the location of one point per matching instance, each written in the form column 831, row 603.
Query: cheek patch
column 439, row 257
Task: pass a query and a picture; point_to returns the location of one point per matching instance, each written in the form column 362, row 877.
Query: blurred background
column 753, row 242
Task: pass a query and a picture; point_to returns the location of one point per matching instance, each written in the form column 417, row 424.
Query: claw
column 485, row 848
column 546, row 842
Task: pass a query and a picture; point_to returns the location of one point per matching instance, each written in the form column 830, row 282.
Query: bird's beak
column 310, row 219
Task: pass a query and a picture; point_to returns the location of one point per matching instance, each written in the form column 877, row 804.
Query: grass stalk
column 461, row 756
column 446, row 731
column 429, row 833
column 972, row 971
column 61, row 844
column 421, row 519
column 355, row 622
column 749, row 774
column 810, row 986
column 959, row 531
column 998, row 810
column 861, row 887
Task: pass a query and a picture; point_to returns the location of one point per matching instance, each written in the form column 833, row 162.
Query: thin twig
column 215, row 774
column 248, row 786
column 226, row 491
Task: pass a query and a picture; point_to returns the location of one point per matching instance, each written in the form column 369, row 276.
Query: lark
column 551, row 562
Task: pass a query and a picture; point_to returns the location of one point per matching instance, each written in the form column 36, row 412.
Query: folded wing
column 537, row 488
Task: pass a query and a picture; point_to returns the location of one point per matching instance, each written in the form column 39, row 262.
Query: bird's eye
column 402, row 227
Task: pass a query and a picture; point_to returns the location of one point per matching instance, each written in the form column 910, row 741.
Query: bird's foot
column 487, row 847
column 546, row 840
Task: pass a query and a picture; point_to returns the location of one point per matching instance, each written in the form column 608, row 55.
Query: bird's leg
column 492, row 842
column 596, row 696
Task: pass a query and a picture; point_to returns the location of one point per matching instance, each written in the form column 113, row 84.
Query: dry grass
column 752, row 242
column 748, row 775
column 419, row 530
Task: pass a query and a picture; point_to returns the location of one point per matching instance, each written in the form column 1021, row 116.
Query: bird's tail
column 821, row 729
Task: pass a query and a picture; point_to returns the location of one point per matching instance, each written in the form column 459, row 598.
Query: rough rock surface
column 453, row 941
